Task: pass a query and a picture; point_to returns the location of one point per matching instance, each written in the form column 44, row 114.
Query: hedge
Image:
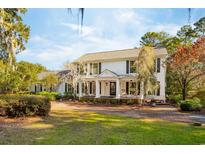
column 24, row 105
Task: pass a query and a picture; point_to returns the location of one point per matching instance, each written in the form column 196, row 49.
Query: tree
column 145, row 63
column 171, row 44
column 186, row 34
column 200, row 27
column 154, row 39
column 13, row 32
column 19, row 80
column 49, row 81
column 28, row 73
column 188, row 65
column 9, row 79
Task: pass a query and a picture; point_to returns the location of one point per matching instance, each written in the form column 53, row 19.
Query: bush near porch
column 24, row 105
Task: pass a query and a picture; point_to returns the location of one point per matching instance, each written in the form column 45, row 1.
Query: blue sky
column 55, row 36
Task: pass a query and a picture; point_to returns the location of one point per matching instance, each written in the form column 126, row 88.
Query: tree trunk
column 184, row 92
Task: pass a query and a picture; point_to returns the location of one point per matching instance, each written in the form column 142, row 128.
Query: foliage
column 68, row 95
column 191, row 105
column 50, row 95
column 14, row 33
column 186, row 34
column 22, row 105
column 19, row 80
column 28, row 74
column 112, row 101
column 187, row 64
column 49, row 81
column 9, row 79
column 154, row 39
column 145, row 64
column 200, row 27
column 201, row 95
column 174, row 99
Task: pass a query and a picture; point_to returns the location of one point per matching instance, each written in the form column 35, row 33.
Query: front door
column 112, row 88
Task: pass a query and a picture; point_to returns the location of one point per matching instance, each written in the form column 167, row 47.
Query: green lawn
column 75, row 127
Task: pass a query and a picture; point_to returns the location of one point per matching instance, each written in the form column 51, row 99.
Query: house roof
column 60, row 74
column 115, row 55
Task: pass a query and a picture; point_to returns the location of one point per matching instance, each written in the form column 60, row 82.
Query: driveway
column 163, row 112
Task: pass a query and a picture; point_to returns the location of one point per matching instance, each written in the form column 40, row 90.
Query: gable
column 107, row 73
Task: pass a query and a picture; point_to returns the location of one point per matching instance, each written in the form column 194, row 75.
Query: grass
column 76, row 127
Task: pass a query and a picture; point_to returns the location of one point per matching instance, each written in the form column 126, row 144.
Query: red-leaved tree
column 187, row 64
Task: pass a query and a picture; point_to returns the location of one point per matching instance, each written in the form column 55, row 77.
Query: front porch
column 111, row 85
column 112, row 88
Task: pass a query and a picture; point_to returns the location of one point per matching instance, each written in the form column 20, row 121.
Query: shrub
column 68, row 95
column 201, row 95
column 18, row 105
column 130, row 102
column 174, row 99
column 50, row 95
column 191, row 105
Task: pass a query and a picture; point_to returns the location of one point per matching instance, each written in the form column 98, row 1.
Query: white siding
column 61, row 88
column 118, row 67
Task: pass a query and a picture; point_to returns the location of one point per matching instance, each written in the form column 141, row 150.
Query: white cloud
column 86, row 30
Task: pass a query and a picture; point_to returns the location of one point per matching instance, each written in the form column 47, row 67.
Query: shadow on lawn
column 74, row 127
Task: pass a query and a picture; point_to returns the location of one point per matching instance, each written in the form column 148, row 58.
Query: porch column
column 80, row 89
column 117, row 88
column 97, row 89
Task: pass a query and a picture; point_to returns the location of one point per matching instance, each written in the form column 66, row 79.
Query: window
column 77, row 88
column 100, row 87
column 158, row 65
column 132, row 88
column 83, row 87
column 95, row 68
column 99, row 68
column 127, row 88
column 91, row 66
column 85, row 68
column 91, row 87
column 80, row 69
column 66, row 87
column 132, row 67
column 138, row 88
column 127, row 67
column 158, row 89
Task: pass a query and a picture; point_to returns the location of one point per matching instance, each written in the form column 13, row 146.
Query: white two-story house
column 113, row 74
